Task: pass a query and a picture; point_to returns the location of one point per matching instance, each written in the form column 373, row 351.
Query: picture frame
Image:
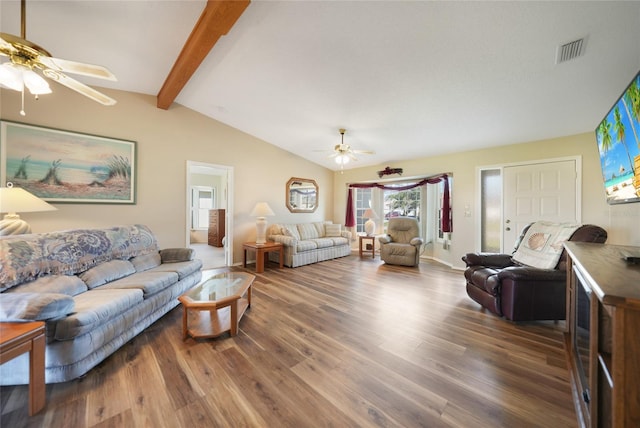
column 67, row 167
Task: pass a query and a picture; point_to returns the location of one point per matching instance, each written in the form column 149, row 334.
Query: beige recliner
column 401, row 245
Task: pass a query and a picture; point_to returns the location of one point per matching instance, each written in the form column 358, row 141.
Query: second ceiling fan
column 343, row 153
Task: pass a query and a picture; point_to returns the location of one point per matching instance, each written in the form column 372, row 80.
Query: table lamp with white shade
column 261, row 210
column 370, row 225
column 15, row 200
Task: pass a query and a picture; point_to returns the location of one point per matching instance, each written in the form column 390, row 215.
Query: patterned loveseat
column 95, row 289
column 307, row 243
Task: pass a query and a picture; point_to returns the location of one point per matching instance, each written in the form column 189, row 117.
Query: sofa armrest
column 416, row 241
column 531, row 274
column 346, row 234
column 16, row 307
column 488, row 259
column 174, row 255
column 384, row 239
column 287, row 241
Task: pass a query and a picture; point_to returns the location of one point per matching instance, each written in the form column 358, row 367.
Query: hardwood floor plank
column 260, row 390
column 149, row 394
column 195, row 414
column 362, row 412
column 345, row 343
column 298, row 395
column 124, row 419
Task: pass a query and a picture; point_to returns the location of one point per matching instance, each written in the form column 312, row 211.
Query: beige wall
column 166, row 139
column 620, row 221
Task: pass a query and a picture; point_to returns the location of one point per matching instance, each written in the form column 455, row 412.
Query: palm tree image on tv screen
column 618, row 137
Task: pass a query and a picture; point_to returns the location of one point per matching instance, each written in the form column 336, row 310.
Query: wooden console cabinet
column 216, row 228
column 608, row 393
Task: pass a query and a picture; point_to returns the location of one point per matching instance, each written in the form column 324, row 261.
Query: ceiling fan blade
column 79, row 87
column 74, row 67
column 364, row 152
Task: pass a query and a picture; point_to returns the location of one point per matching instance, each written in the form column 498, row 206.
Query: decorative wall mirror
column 301, row 195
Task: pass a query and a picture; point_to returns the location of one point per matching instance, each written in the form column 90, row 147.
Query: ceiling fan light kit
column 342, row 159
column 343, row 153
column 16, row 77
column 26, row 57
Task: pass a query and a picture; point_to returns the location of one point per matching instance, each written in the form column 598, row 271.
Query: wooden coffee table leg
column 234, row 318
column 185, row 328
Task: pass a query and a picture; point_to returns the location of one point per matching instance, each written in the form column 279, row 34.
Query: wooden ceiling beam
column 217, row 18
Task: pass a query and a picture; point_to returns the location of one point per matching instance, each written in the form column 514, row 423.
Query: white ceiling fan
column 25, row 58
column 343, row 153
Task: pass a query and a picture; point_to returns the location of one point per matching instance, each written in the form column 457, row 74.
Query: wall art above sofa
column 64, row 166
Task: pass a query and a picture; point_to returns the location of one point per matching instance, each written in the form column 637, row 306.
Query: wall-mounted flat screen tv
column 618, row 137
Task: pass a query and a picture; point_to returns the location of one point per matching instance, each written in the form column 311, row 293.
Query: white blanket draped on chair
column 542, row 247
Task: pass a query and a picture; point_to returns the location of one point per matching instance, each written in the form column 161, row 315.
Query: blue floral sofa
column 95, row 289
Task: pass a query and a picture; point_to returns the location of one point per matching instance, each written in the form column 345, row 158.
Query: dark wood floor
column 343, row 343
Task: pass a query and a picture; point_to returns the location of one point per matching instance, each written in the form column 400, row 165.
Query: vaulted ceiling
column 406, row 79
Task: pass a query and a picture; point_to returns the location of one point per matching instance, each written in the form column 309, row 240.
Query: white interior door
column 541, row 191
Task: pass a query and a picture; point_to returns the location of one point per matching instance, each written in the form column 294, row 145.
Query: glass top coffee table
column 216, row 305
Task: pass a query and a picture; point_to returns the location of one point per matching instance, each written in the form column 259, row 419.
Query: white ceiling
column 406, row 79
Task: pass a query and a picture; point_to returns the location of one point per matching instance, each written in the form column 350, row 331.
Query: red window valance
column 350, row 221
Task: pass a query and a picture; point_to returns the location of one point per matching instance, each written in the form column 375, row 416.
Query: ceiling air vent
column 571, row 50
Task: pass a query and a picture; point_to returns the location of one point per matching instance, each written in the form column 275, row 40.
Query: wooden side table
column 363, row 238
column 16, row 338
column 261, row 250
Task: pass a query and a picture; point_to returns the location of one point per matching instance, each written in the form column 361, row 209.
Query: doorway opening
column 209, row 208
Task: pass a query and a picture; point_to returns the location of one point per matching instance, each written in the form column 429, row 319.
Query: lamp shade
column 369, row 213
column 17, row 200
column 262, row 209
column 14, row 200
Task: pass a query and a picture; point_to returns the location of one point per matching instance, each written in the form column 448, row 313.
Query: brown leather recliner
column 523, row 293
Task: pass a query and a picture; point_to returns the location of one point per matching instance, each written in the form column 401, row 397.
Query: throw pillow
column 290, row 230
column 146, row 262
column 176, row 255
column 333, row 230
column 34, row 306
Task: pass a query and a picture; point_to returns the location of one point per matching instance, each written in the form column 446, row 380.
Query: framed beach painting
column 64, row 166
